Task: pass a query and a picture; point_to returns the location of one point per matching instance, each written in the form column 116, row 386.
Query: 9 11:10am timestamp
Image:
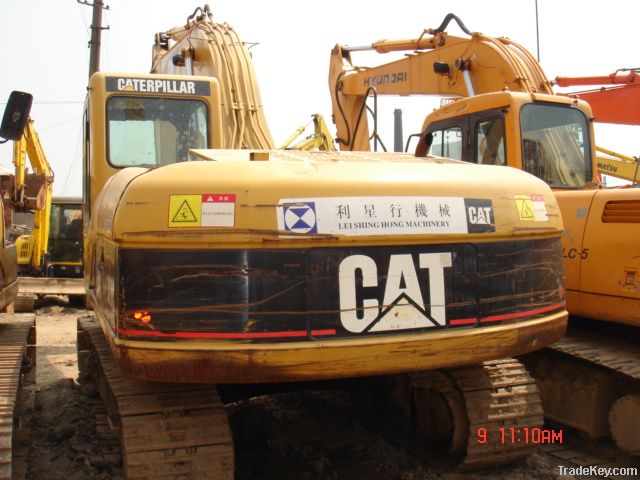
column 521, row 435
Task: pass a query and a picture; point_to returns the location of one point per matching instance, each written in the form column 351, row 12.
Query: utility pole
column 537, row 34
column 96, row 34
column 397, row 131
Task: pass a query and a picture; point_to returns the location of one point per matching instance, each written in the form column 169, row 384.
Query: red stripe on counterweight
column 219, row 335
column 508, row 316
column 315, row 333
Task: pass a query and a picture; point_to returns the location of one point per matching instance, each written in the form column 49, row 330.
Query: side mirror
column 16, row 115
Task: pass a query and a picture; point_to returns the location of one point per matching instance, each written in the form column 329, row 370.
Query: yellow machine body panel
column 231, row 266
column 602, row 266
column 24, row 247
column 265, row 266
column 259, row 186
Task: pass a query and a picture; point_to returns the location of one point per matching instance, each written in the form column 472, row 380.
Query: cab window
column 555, row 144
column 490, row 142
column 149, row 131
column 447, row 143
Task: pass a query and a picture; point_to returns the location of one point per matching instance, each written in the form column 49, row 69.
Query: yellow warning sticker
column 185, row 210
column 524, row 204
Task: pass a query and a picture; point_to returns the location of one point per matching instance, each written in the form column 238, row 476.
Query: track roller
column 590, row 382
column 166, row 430
column 624, row 422
column 17, row 356
column 25, row 302
column 470, row 411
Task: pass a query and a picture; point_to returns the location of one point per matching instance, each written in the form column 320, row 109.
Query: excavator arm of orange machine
column 614, row 100
column 435, row 63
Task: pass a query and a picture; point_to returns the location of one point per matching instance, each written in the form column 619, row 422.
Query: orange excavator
column 212, row 259
column 504, row 112
column 614, row 101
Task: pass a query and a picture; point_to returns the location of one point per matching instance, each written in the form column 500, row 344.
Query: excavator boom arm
column 609, row 162
column 616, row 78
column 204, row 47
column 615, row 98
column 33, row 192
column 435, row 64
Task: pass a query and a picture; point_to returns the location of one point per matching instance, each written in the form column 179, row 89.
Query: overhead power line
column 50, row 102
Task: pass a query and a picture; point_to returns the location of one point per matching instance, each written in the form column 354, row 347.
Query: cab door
column 474, row 138
column 487, row 138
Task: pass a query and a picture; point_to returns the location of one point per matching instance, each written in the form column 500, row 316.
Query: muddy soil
column 62, row 441
column 303, row 435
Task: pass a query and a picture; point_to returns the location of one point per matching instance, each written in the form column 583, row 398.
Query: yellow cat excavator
column 504, row 112
column 247, row 265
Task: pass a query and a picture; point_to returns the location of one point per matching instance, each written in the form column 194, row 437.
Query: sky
column 46, row 54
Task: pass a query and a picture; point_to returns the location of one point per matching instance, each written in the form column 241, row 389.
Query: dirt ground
column 62, row 441
column 301, row 435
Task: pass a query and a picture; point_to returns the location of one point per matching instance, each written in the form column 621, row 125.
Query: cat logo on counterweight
column 402, row 305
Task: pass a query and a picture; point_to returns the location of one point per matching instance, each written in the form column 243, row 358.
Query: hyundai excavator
column 504, row 112
column 212, row 259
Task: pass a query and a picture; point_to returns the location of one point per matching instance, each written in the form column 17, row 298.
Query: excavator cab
column 150, row 122
column 161, row 131
column 552, row 142
column 65, row 238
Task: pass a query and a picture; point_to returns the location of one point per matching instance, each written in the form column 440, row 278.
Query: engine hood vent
column 621, row 211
